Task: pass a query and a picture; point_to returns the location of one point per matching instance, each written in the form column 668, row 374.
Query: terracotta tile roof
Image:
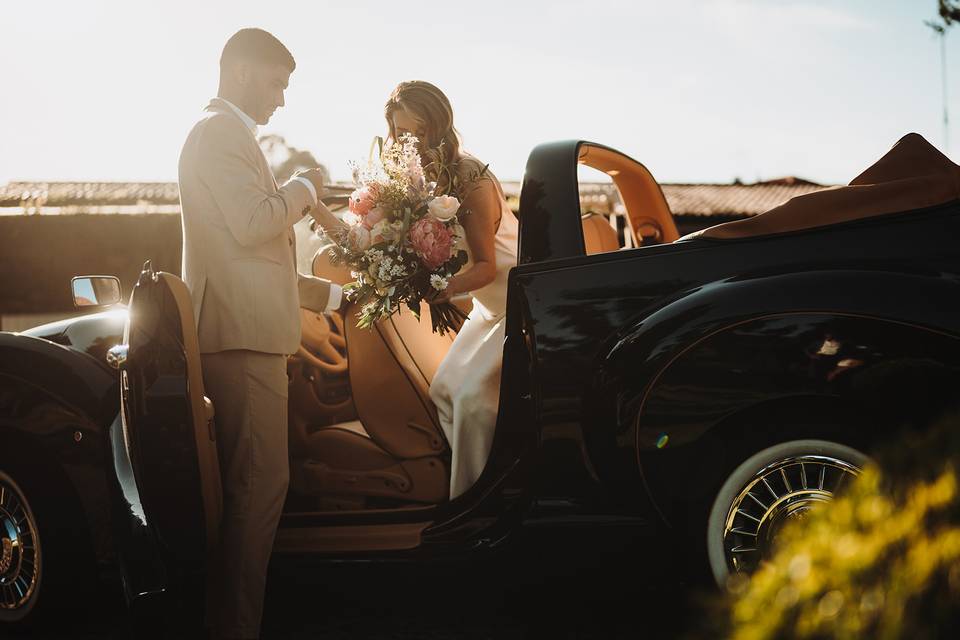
column 61, row 194
column 684, row 199
column 789, row 180
column 730, row 199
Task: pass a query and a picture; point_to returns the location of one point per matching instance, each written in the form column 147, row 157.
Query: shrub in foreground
column 883, row 561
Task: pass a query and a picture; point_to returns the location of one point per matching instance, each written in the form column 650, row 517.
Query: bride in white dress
column 466, row 387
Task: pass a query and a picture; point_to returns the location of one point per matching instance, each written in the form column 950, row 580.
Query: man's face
column 265, row 84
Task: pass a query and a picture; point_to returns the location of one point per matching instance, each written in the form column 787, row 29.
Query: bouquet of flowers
column 402, row 241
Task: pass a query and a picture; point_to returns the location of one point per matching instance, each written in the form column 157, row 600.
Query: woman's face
column 405, row 122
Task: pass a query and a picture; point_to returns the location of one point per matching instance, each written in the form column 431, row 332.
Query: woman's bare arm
column 330, row 224
column 482, row 207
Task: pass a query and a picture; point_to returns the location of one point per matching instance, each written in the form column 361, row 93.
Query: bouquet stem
column 446, row 316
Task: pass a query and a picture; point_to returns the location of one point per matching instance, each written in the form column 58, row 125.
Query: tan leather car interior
column 201, row 408
column 648, row 214
column 598, row 235
column 363, row 432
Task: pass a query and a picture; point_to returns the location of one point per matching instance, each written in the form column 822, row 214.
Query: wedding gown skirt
column 466, row 387
column 466, row 391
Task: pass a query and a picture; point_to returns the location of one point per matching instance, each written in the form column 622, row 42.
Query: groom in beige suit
column 240, row 266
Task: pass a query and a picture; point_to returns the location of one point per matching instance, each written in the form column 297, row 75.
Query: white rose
column 443, row 207
column 358, row 237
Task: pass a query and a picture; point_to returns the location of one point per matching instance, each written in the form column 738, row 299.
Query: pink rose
column 374, row 216
column 432, row 241
column 362, row 200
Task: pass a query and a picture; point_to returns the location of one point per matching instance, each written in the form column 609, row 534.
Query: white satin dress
column 466, row 387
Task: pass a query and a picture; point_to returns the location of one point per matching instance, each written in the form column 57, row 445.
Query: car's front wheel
column 777, row 485
column 21, row 553
column 48, row 574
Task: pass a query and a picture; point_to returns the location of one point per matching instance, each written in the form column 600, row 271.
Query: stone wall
column 40, row 254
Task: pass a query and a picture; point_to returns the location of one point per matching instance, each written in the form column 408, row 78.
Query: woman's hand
column 441, row 297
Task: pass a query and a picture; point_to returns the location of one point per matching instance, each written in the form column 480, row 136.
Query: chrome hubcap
column 785, row 491
column 19, row 553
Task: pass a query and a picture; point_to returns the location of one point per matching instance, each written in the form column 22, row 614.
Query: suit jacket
column 239, row 250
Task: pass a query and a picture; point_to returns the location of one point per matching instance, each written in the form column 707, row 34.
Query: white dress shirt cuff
column 336, row 296
column 309, row 185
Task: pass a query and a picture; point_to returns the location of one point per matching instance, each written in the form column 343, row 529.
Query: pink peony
column 362, row 200
column 432, row 241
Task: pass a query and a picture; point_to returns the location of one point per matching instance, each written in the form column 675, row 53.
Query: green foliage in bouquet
column 883, row 561
column 381, row 303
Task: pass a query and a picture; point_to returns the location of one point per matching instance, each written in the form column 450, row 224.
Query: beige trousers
column 249, row 394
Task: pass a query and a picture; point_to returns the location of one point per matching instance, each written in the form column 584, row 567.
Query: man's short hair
column 255, row 45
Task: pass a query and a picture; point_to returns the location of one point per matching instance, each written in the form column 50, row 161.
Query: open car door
column 167, row 421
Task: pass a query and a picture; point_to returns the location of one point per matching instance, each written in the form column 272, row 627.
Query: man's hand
column 315, row 176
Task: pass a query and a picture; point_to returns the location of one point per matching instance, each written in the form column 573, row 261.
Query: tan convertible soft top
column 912, row 175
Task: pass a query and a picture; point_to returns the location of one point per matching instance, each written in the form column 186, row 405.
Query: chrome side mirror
column 117, row 355
column 95, row 291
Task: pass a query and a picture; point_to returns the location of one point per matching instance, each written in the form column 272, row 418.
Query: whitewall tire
column 777, row 485
column 21, row 560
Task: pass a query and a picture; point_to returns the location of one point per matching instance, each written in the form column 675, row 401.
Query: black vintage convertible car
column 713, row 387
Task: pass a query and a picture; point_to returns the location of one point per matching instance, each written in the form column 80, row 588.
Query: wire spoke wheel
column 778, row 485
column 782, row 492
column 20, row 557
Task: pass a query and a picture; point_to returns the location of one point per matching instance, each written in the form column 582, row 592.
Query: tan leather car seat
column 392, row 366
column 395, row 449
column 598, row 235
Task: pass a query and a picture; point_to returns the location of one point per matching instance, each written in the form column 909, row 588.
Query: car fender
column 57, row 403
column 726, row 348
column 64, row 375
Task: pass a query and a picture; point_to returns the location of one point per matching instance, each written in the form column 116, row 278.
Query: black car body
column 636, row 384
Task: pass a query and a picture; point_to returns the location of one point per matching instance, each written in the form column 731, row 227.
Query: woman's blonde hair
column 441, row 148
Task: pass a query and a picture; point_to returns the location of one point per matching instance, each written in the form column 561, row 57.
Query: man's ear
column 242, row 73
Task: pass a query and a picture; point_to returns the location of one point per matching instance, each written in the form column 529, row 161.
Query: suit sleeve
column 318, row 294
column 252, row 213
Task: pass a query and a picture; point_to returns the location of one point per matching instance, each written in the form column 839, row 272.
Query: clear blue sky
column 700, row 91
